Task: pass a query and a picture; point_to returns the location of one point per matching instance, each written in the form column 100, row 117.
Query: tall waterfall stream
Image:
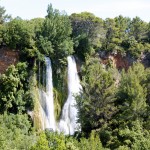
column 47, row 101
column 68, row 121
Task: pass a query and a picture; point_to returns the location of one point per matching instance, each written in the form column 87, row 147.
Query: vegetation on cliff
column 115, row 104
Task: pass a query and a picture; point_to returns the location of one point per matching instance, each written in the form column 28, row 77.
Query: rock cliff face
column 123, row 62
column 7, row 58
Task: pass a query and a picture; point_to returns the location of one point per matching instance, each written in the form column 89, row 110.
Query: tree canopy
column 114, row 105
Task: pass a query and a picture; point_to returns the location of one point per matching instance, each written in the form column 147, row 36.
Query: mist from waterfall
column 46, row 99
column 68, row 122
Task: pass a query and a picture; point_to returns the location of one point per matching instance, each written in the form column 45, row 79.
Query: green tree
column 56, row 141
column 14, row 96
column 126, row 135
column 96, row 105
column 116, row 34
column 3, row 16
column 15, row 132
column 55, row 40
column 134, row 136
column 128, row 127
column 137, row 28
column 147, row 85
column 42, row 143
column 87, row 33
column 33, row 50
column 132, row 93
column 18, row 34
column 92, row 143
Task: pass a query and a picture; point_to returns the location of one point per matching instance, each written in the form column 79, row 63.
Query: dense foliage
column 96, row 102
column 114, row 106
column 87, row 33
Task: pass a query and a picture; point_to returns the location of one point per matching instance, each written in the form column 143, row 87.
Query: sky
column 28, row 9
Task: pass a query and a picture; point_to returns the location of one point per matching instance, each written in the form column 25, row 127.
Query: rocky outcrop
column 123, row 62
column 7, row 58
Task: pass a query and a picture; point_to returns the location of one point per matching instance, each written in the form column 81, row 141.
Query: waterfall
column 68, row 122
column 46, row 100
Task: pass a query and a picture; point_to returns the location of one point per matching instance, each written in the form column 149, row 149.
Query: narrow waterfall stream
column 68, row 122
column 46, row 100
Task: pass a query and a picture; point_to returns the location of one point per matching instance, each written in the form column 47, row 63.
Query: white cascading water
column 46, row 100
column 68, row 122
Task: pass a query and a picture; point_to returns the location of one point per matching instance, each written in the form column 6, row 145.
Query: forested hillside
column 113, row 61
